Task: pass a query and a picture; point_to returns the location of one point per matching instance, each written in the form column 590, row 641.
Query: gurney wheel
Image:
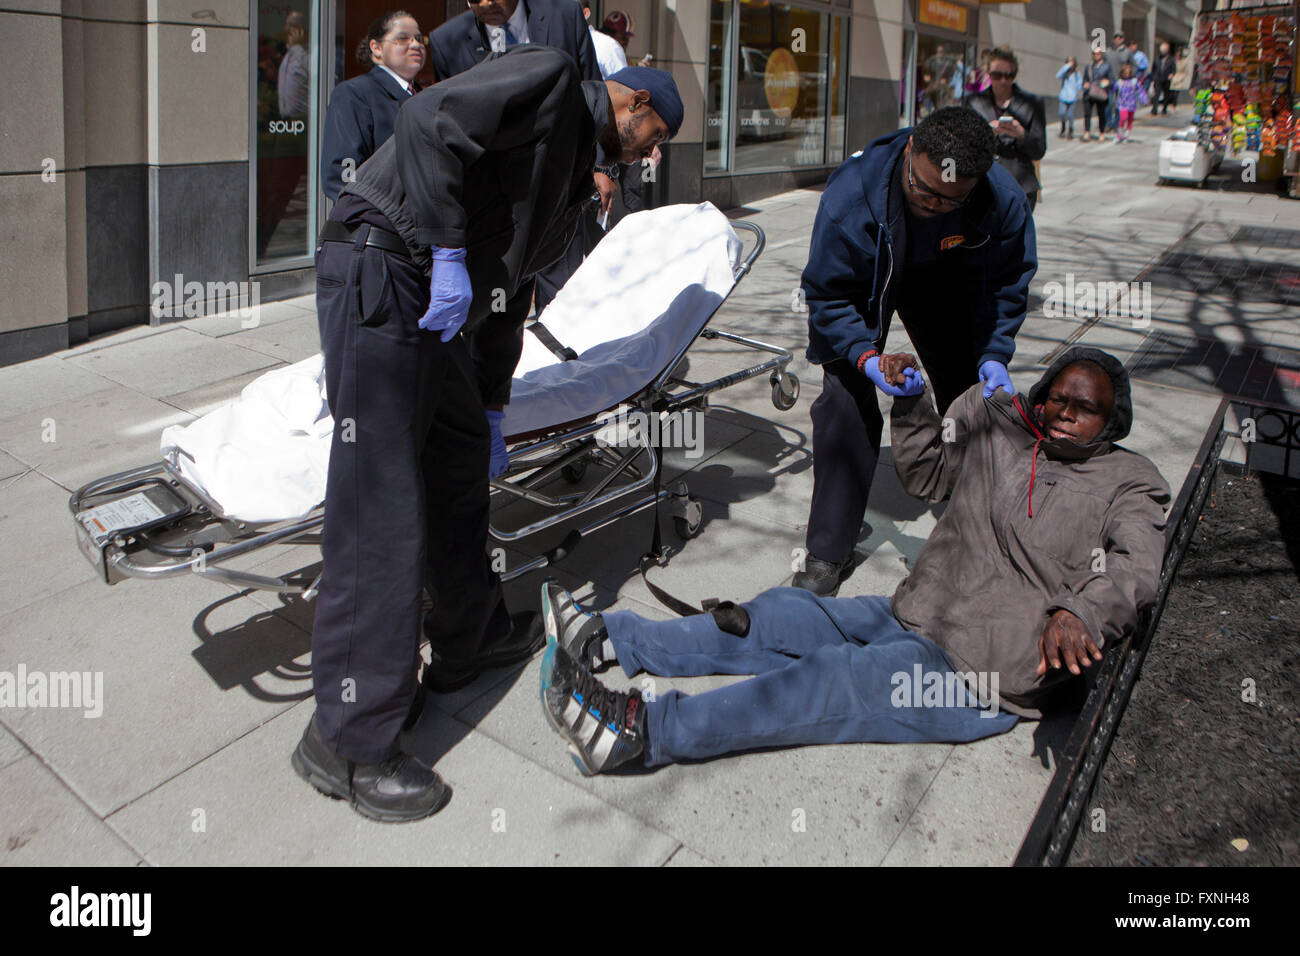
column 688, row 524
column 785, row 390
column 574, row 472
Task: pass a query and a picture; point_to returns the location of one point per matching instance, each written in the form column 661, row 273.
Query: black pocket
column 374, row 291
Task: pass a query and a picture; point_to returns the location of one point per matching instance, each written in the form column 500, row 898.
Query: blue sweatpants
column 828, row 670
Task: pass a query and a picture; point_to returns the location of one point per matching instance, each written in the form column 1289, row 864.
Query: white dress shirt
column 610, row 56
column 400, row 82
column 518, row 24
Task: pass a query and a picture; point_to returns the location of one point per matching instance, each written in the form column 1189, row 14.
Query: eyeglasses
column 940, row 198
column 999, row 75
column 406, row 39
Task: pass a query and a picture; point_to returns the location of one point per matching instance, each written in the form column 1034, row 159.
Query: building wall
column 147, row 140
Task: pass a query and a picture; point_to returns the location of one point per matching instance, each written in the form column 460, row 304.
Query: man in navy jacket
column 922, row 222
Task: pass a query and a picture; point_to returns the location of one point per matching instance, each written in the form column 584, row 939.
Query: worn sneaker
column 605, row 729
column 581, row 633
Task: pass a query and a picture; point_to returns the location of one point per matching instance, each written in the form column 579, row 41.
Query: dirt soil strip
column 1197, row 775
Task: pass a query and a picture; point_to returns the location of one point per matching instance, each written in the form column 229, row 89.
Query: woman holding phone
column 1019, row 120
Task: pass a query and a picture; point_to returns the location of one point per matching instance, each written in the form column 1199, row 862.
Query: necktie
column 510, row 38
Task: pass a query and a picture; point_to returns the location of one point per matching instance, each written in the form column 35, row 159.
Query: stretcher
column 251, row 475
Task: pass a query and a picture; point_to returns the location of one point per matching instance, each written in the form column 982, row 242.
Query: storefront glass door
column 285, row 116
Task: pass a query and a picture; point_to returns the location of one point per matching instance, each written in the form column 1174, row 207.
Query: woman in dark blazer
column 362, row 110
column 1018, row 118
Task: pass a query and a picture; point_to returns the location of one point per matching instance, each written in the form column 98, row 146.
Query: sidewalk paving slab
column 504, row 811
column 11, row 748
column 44, row 824
column 174, row 361
column 187, row 667
column 40, row 544
column 94, row 435
column 36, row 385
column 742, row 809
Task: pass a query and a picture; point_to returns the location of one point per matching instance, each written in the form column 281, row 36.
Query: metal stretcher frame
column 194, row 537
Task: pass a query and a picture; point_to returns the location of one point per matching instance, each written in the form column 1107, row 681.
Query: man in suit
column 480, row 186
column 362, row 110
column 494, row 26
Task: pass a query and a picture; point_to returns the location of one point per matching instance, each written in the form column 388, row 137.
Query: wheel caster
column 687, row 512
column 785, row 390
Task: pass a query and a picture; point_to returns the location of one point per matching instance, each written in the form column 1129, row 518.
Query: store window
column 777, row 86
column 940, row 64
column 285, row 116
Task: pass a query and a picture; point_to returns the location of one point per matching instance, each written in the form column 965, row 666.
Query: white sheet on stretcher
column 264, row 456
column 646, row 291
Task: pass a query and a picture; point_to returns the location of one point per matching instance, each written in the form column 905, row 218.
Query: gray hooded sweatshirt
column 1034, row 524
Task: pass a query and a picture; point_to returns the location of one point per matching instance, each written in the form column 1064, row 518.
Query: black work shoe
column 525, row 639
column 581, row 633
column 397, row 790
column 822, row 577
column 604, row 728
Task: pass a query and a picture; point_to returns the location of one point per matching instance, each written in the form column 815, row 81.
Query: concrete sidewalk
column 207, row 689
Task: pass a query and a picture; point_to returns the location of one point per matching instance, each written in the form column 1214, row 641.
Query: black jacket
column 360, row 118
column 498, row 161
column 462, row 41
column 1164, row 67
column 1017, row 158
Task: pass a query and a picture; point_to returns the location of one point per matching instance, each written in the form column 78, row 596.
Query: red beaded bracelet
column 866, row 355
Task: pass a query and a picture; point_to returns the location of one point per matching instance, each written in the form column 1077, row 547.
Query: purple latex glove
column 449, row 293
column 500, row 457
column 994, row 376
column 913, row 384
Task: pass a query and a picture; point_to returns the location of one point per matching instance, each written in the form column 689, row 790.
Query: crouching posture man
column 1050, row 547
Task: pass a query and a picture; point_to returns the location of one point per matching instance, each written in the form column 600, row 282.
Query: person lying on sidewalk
column 1050, row 548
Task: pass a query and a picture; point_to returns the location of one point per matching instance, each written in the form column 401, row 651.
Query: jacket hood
column 1121, row 415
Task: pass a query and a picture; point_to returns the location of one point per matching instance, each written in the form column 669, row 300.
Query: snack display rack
column 1245, row 103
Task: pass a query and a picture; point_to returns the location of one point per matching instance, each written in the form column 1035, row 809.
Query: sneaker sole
column 575, row 752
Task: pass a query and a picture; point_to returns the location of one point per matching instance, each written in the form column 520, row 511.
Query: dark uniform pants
column 406, row 504
column 847, row 422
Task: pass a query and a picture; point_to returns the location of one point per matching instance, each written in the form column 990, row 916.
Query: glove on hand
column 994, row 376
column 914, row 384
column 449, row 293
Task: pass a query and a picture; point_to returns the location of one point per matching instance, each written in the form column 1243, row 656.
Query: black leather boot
column 822, row 577
column 397, row 790
column 526, row 638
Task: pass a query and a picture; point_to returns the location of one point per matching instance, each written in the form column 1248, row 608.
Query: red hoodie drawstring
column 1033, row 467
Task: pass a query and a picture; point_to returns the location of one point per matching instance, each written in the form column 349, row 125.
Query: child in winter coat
column 1129, row 91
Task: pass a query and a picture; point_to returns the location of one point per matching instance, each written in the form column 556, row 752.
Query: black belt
column 381, row 238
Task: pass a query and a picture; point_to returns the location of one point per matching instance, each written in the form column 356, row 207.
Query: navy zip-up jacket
column 853, row 279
